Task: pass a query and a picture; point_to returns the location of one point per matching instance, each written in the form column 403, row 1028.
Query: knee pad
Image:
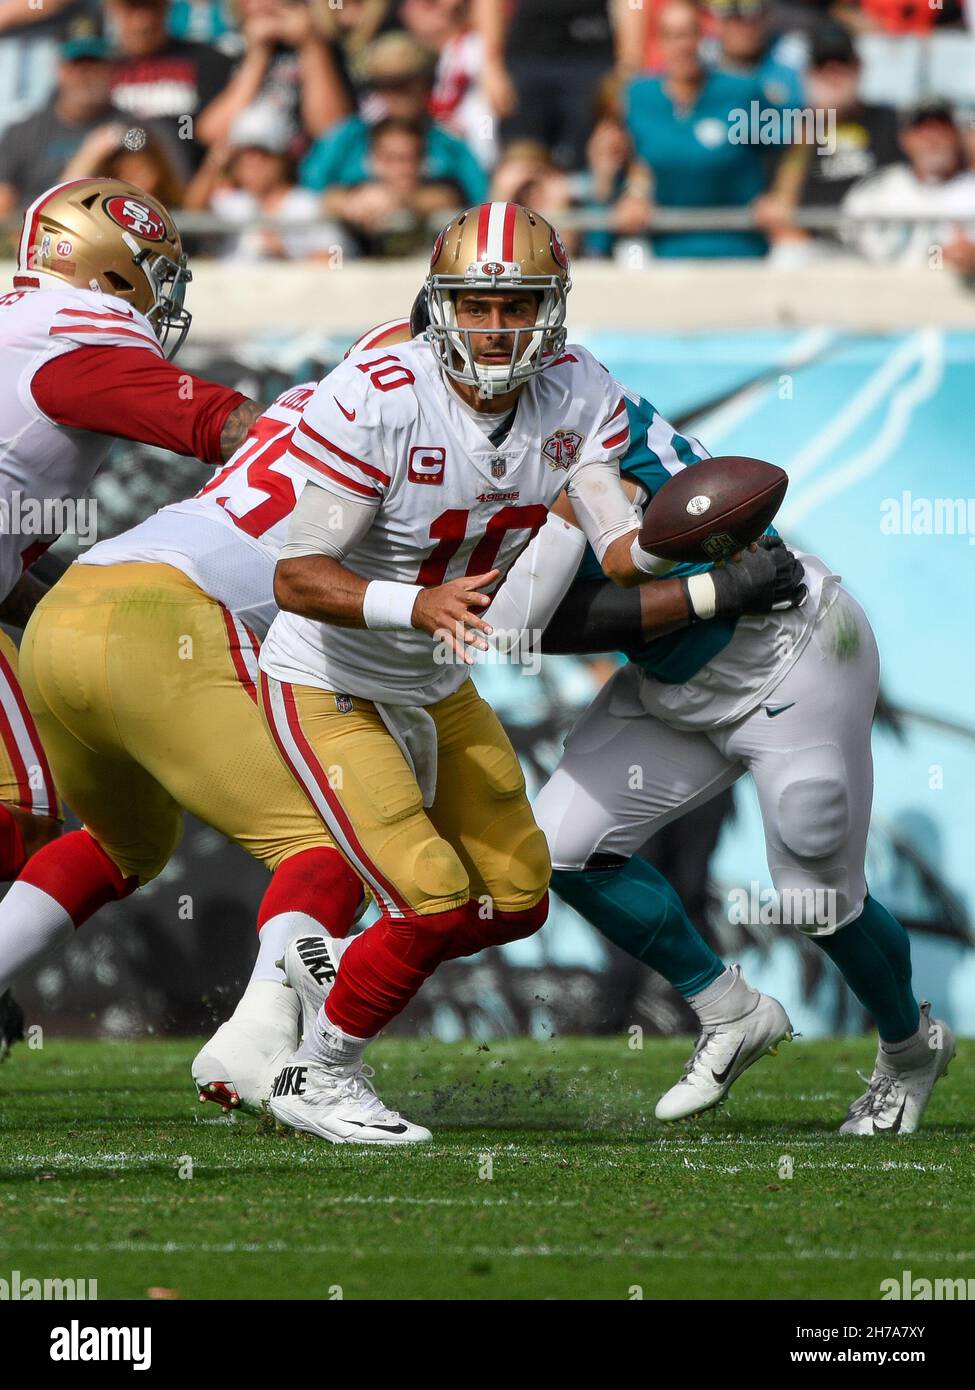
column 529, row 869
column 814, row 806
column 438, row 874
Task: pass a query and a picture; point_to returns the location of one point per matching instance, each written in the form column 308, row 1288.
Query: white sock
column 274, row 937
column 328, row 1044
column 728, row 997
column 31, row 923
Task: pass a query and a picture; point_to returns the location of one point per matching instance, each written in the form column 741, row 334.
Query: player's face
column 491, row 317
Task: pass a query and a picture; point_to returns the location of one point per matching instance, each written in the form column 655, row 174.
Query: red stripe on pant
column 39, row 801
column 383, row 968
column 236, row 652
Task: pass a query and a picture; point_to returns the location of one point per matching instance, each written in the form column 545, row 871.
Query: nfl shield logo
column 499, row 467
column 344, row 704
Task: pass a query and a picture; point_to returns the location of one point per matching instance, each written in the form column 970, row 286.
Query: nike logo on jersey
column 349, row 414
column 722, row 1077
column 773, row 710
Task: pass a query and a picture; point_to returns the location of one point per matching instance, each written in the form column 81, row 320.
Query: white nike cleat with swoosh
column 723, row 1052
column 339, row 1104
column 901, row 1085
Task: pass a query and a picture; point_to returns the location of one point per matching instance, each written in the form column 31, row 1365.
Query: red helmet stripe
column 483, row 223
column 508, row 235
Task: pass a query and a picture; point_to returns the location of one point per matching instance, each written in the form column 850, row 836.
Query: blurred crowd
column 328, row 129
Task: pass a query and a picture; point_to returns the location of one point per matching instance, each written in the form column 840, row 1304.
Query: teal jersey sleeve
column 657, row 451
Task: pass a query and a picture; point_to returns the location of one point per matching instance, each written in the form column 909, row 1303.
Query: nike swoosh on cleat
column 772, row 711
column 895, row 1127
column 349, row 414
column 722, row 1077
column 387, row 1129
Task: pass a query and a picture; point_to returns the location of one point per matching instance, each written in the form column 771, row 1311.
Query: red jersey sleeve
column 134, row 394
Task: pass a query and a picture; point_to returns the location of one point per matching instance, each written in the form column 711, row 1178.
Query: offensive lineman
column 432, row 468
column 97, row 296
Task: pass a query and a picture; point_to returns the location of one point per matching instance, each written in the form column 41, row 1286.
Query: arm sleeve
column 602, row 508
column 327, row 523
column 537, row 581
column 595, row 615
column 135, row 394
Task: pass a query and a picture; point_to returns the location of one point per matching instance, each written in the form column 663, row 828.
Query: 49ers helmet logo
column 136, row 217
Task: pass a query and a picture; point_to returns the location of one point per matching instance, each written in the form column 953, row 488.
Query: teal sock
column 637, row 909
column 873, row 954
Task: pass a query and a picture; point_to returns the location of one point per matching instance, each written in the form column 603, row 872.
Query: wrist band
column 701, row 595
column 647, row 563
column 387, row 606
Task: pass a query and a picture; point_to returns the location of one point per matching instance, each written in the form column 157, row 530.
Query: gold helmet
column 495, row 246
column 103, row 234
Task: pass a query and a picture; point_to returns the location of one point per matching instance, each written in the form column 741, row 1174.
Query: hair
column 171, row 185
column 399, row 124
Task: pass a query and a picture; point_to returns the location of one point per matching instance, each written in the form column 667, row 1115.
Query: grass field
column 588, row 1197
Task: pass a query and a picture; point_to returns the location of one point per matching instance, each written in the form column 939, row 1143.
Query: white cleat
column 338, row 1103
column 901, row 1085
column 238, row 1064
column 310, row 964
column 723, row 1052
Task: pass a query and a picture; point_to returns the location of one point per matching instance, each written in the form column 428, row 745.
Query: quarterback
column 432, row 467
column 97, row 297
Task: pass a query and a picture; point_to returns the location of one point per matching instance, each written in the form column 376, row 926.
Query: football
column 712, row 509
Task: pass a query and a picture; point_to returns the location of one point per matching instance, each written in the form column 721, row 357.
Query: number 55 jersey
column 449, row 498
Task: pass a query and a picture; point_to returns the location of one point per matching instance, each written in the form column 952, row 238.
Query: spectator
column 935, row 186
column 254, row 177
column 609, row 157
column 398, row 74
column 34, row 151
column 680, row 124
column 135, row 155
column 527, row 174
column 458, row 102
column 743, row 44
column 156, row 77
column 286, row 63
column 390, row 213
column 865, row 138
column 349, row 28
column 30, row 38
column 544, row 69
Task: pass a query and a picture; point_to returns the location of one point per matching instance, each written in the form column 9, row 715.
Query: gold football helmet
column 498, row 246
column 104, row 234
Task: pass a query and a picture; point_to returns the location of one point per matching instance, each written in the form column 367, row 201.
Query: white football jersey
column 43, row 465
column 227, row 538
column 385, row 427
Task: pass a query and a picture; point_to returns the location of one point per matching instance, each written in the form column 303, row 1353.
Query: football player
column 432, row 467
column 789, row 697
column 97, row 296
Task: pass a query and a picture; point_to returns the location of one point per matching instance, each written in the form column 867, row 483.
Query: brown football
column 713, row 508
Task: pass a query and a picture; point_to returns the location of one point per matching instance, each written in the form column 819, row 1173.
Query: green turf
column 589, row 1195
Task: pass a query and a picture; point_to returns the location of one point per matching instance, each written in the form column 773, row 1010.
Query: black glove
column 758, row 581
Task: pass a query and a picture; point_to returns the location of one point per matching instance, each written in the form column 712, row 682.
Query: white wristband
column 701, row 594
column 649, row 564
column 387, row 606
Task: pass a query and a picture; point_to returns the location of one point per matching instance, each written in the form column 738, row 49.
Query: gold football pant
column 477, row 840
column 143, row 691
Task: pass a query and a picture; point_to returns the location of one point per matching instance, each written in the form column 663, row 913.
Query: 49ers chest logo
column 136, row 217
column 562, row 448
